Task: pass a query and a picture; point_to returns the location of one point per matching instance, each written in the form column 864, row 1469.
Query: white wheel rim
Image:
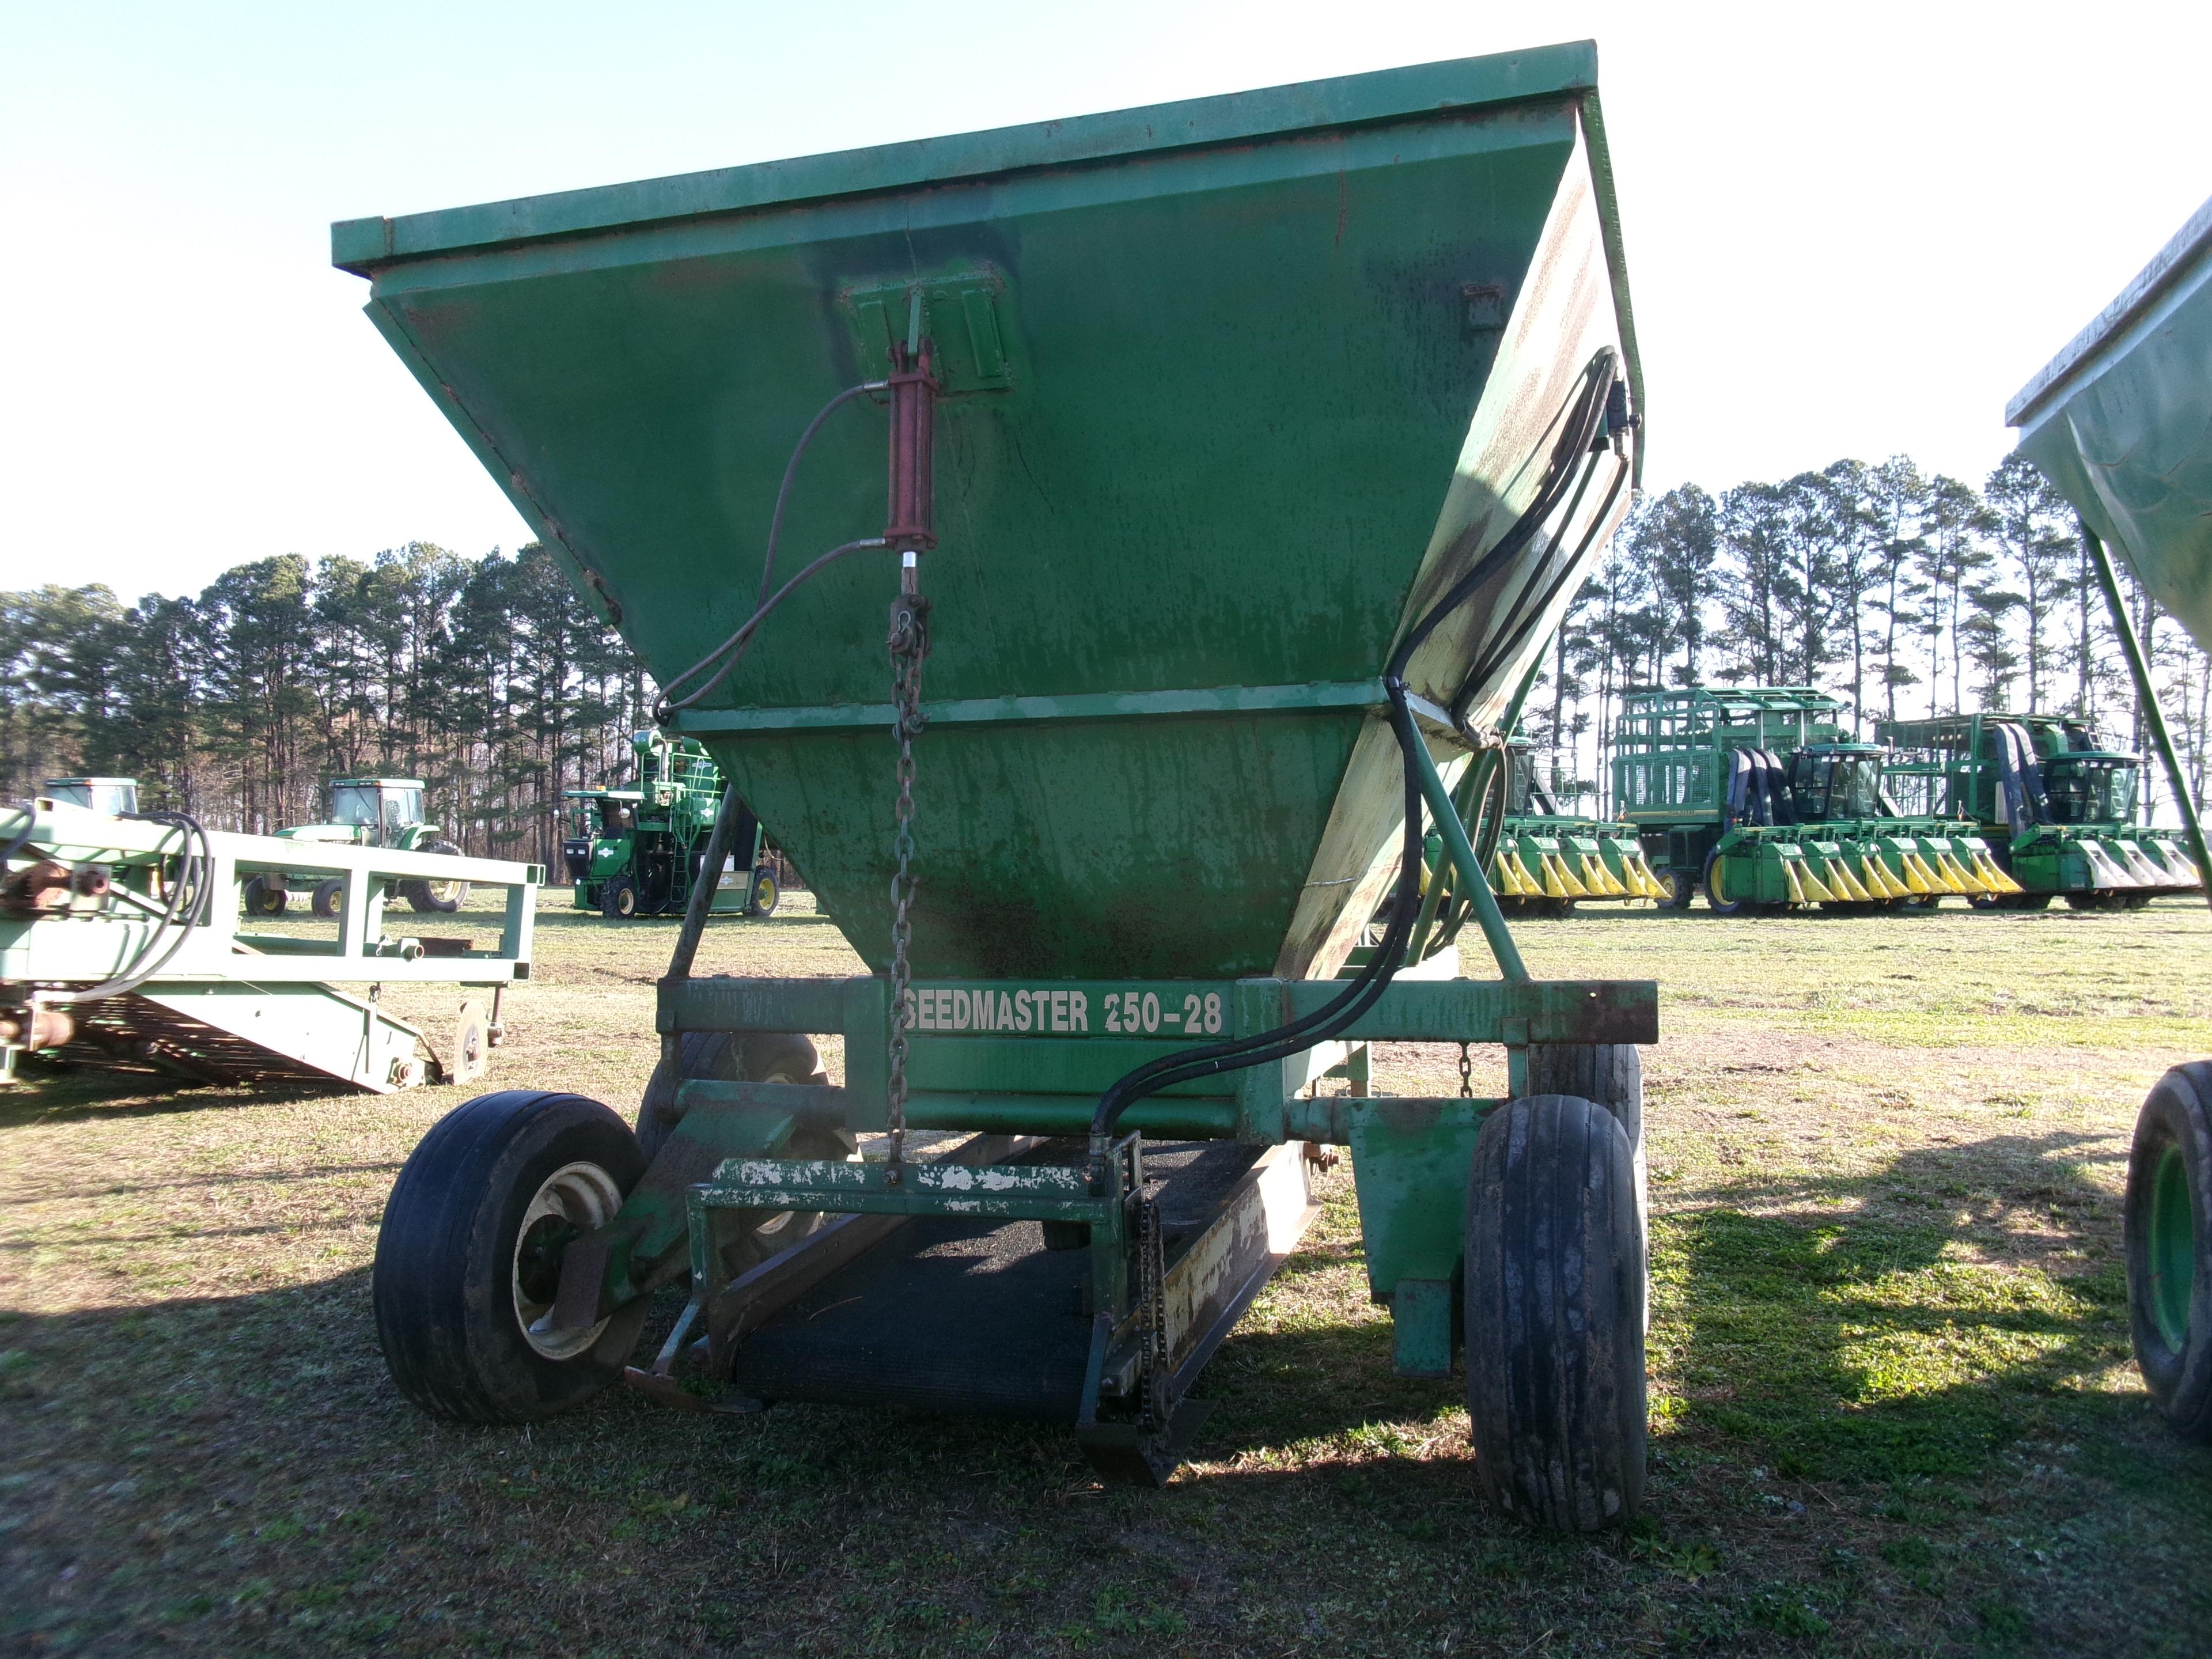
column 584, row 1196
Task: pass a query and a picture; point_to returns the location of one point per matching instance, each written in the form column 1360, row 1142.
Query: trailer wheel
column 725, row 1057
column 470, row 1257
column 264, row 896
column 330, row 897
column 752, row 1235
column 1555, row 1294
column 2168, row 1226
column 439, row 897
column 618, row 899
column 1606, row 1074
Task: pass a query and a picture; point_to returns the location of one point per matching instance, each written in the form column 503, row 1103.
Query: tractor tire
column 765, row 895
column 1608, row 1074
column 2166, row 1223
column 1555, row 1297
column 751, row 1236
column 2028, row 902
column 330, row 897
column 470, row 1257
column 618, row 899
column 437, row 897
column 2095, row 899
column 264, row 896
column 1717, row 898
column 1681, row 887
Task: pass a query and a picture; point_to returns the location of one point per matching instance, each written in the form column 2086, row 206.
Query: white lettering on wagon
column 1064, row 1011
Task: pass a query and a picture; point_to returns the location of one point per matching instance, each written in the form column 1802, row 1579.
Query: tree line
column 1906, row 594
column 485, row 677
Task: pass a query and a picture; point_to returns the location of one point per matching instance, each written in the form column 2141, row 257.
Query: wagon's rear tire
column 1608, row 1074
column 470, row 1257
column 1555, row 1293
column 2167, row 1227
column 749, row 1237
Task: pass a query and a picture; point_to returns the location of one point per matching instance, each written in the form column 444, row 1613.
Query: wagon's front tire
column 1555, row 1291
column 470, row 1257
column 2167, row 1227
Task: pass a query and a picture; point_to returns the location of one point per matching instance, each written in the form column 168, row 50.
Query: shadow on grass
column 61, row 1094
column 1914, row 1321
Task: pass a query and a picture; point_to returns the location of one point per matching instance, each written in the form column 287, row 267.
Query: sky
column 1850, row 231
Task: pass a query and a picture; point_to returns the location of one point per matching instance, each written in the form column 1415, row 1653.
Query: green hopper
column 1222, row 469
column 2120, row 422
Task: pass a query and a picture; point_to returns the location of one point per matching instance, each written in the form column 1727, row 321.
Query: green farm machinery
column 2120, row 422
column 2058, row 809
column 639, row 851
column 1761, row 797
column 1546, row 861
column 121, row 948
column 1241, row 458
column 380, row 812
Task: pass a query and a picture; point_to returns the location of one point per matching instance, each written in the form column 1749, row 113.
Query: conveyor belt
column 969, row 1316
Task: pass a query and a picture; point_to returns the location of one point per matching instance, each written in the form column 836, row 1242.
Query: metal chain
column 1465, row 1074
column 908, row 644
column 1152, row 1300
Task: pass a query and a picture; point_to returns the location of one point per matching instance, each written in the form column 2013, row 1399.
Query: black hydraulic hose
column 1341, row 1012
column 763, row 603
column 187, row 909
column 743, row 636
column 1501, row 653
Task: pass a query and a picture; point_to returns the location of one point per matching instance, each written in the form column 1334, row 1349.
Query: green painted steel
column 2120, row 422
column 1233, row 386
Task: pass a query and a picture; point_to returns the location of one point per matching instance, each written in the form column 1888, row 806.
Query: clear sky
column 1851, row 230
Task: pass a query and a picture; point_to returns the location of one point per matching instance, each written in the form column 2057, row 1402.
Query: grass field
column 1892, row 1410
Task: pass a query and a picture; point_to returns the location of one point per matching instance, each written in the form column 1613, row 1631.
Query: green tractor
column 1762, row 797
column 384, row 812
column 1547, row 860
column 2058, row 807
column 639, row 852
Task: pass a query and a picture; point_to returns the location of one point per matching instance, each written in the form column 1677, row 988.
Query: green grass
column 1892, row 1406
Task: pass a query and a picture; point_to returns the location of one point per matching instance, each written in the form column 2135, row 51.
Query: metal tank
column 1113, row 537
column 2120, row 422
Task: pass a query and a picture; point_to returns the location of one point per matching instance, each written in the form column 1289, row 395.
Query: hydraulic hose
column 187, row 909
column 765, row 602
column 1585, row 416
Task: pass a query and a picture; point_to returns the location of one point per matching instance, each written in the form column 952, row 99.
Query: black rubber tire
column 757, row 1057
column 330, row 897
column 618, row 899
column 1681, row 887
column 1608, row 1074
column 1719, row 906
column 425, row 898
column 2137, row 900
column 443, row 1283
column 263, row 896
column 2171, row 1161
column 1555, row 1299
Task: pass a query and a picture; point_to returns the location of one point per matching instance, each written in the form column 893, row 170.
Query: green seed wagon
column 2120, row 422
column 1093, row 549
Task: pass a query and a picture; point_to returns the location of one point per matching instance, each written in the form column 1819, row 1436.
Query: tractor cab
column 379, row 812
column 2092, row 787
column 1830, row 781
column 114, row 796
